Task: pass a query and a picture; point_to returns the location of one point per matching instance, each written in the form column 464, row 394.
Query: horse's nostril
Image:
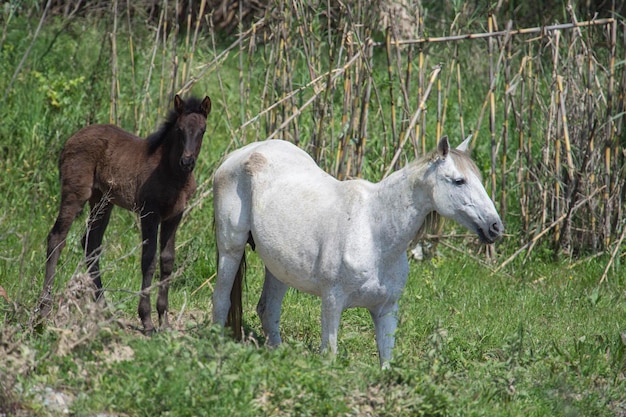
column 187, row 163
column 496, row 229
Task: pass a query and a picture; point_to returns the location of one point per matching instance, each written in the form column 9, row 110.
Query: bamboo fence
column 548, row 126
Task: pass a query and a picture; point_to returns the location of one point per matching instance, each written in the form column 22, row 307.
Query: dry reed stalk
column 392, row 101
column 18, row 69
column 163, row 43
column 184, row 68
column 612, row 144
column 421, row 132
column 523, row 149
column 542, row 30
column 363, row 117
column 492, row 108
column 194, row 42
column 148, row 81
column 173, row 78
column 613, row 255
column 342, row 146
column 531, row 243
column 505, row 131
column 219, row 57
column 416, row 115
column 133, row 73
column 114, row 93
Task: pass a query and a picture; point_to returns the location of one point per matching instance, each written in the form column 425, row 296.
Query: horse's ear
column 464, row 146
column 179, row 104
column 206, row 106
column 443, row 147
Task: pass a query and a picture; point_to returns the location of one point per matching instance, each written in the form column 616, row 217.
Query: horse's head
column 458, row 192
column 190, row 126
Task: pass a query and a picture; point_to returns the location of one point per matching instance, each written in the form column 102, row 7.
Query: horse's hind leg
column 168, row 247
column 73, row 199
column 270, row 306
column 92, row 240
column 228, row 266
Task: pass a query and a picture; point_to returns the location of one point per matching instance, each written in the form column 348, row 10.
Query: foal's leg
column 269, row 307
column 332, row 307
column 99, row 217
column 168, row 247
column 73, row 198
column 149, row 232
column 385, row 319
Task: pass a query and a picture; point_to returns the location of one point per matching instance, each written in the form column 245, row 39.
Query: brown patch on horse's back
column 255, row 163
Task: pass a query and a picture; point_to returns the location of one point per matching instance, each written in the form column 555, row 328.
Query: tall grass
column 528, row 333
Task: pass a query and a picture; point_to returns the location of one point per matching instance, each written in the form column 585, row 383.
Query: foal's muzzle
column 187, row 163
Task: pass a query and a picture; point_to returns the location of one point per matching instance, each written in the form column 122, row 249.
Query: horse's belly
column 294, row 272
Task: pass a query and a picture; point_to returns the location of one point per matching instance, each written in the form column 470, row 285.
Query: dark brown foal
column 108, row 166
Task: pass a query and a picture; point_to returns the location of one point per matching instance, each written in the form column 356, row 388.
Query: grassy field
column 539, row 337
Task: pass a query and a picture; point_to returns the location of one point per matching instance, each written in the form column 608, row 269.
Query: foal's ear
column 443, row 147
column 464, row 146
column 206, row 106
column 179, row 104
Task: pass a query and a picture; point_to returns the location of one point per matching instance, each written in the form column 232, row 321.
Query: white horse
column 344, row 241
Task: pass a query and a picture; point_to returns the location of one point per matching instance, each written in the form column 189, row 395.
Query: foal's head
column 182, row 132
column 458, row 192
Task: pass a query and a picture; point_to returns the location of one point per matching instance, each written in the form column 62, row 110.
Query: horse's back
column 276, row 192
column 104, row 157
column 262, row 157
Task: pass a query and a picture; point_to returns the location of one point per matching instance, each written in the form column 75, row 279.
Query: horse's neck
column 403, row 202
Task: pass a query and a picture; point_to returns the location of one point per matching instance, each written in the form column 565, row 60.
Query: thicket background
column 364, row 87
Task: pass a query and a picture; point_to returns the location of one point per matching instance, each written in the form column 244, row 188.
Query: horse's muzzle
column 491, row 234
column 187, row 164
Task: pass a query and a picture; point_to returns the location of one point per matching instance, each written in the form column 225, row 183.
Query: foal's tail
column 234, row 319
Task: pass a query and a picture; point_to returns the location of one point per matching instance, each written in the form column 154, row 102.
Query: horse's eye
column 459, row 181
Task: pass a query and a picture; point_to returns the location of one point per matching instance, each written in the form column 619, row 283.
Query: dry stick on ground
column 613, row 254
column 544, row 231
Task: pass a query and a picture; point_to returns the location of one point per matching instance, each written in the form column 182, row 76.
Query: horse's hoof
column 149, row 332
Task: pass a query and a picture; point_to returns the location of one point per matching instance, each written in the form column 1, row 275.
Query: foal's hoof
column 149, row 332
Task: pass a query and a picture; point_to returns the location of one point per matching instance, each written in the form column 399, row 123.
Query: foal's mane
column 156, row 139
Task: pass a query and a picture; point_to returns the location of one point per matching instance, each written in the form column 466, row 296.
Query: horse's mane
column 156, row 139
column 433, row 223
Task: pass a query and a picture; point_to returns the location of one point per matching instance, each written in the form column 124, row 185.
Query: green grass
column 537, row 338
column 469, row 343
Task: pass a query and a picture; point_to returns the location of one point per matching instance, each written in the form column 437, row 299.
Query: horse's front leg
column 332, row 307
column 385, row 319
column 168, row 248
column 149, row 232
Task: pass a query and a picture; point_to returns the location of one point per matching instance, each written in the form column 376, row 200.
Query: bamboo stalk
column 114, row 81
column 539, row 235
column 131, row 48
column 416, row 115
column 613, row 253
column 146, row 95
column 527, row 31
column 392, row 101
column 492, row 109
